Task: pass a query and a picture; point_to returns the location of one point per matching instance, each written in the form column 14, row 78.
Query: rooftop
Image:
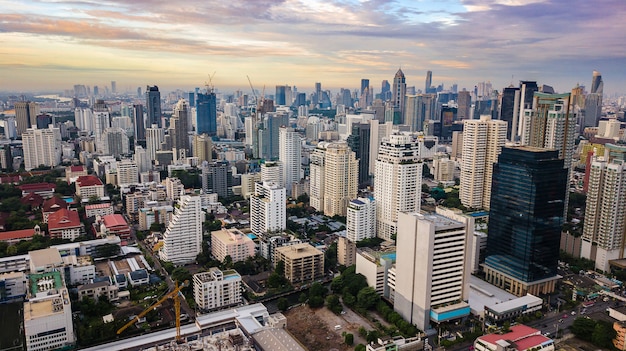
column 17, row 234
column 34, row 187
column 45, row 257
column 97, row 206
column 276, row 339
column 88, row 180
column 63, row 218
column 44, row 282
column 298, row 250
column 114, row 220
column 517, row 332
column 515, row 303
column 54, row 203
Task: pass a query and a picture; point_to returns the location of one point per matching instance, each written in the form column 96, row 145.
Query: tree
column 333, row 304
column 282, row 304
column 107, row 250
column 330, row 257
column 280, row 268
column 603, row 334
column 348, row 339
column 317, row 289
column 360, row 347
column 316, row 301
column 583, row 328
column 367, row 298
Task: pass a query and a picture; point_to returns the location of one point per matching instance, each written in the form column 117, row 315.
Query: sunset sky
column 54, row 44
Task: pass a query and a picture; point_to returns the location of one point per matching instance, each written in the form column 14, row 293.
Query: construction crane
column 256, row 99
column 209, row 85
column 174, row 295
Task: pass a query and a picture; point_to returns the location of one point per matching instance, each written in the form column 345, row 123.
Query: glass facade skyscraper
column 525, row 218
column 153, row 105
column 206, row 113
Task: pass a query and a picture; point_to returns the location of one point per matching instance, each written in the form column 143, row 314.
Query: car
column 560, row 320
column 564, row 316
column 573, row 313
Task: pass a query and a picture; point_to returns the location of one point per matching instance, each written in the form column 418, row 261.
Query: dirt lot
column 315, row 328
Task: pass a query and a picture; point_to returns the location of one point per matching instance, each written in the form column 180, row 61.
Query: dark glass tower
column 140, row 128
column 507, row 108
column 206, row 113
column 525, row 217
column 153, row 105
column 359, row 142
column 281, row 95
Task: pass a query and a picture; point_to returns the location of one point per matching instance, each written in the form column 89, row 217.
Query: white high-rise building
column 605, row 214
column 174, row 188
column 115, row 142
column 398, row 181
column 83, row 118
column 361, row 219
column 290, row 155
column 216, row 289
column 482, row 142
column 101, row 121
column 268, row 213
column 432, row 267
column 272, row 171
column 334, row 177
column 41, row 147
column 182, row 240
column 127, row 173
column 144, row 163
column 154, row 138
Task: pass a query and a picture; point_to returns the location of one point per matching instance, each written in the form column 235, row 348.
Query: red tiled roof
column 114, row 220
column 30, row 188
column 517, row 332
column 63, row 218
column 530, row 342
column 32, row 199
column 54, row 203
column 7, row 179
column 97, row 206
column 17, row 234
column 88, row 180
column 77, row 168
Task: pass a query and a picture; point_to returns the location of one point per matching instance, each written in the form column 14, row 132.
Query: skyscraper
column 482, row 141
column 397, row 181
column 41, row 147
column 182, row 240
column 281, row 95
column 525, row 218
column 153, row 105
column 113, row 87
column 604, row 227
column 202, row 147
column 399, row 92
column 206, row 113
column 290, row 155
column 268, row 213
column 178, row 130
column 597, row 85
column 464, row 103
column 102, row 121
column 509, row 109
column 429, row 82
column 139, row 124
column 385, row 90
column 593, row 101
column 154, row 138
column 361, row 219
column 25, row 115
column 359, row 142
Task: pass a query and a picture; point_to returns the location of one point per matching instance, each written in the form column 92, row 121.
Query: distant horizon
column 52, row 45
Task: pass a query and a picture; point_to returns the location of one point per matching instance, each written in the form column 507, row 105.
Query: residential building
column 346, row 252
column 52, row 205
column 115, row 224
column 248, row 183
column 155, row 137
column 26, row 113
column 233, row 243
column 620, row 335
column 65, row 224
column 102, row 121
column 525, row 219
column 115, row 142
column 99, row 289
column 519, row 338
column 174, row 188
column 217, row 178
column 290, row 154
column 127, row 173
column 443, row 168
column 182, row 240
column 605, row 213
column 88, row 186
column 216, row 289
column 98, row 210
column 268, row 213
column 73, row 172
column 178, row 130
column 303, row 262
column 273, row 172
column 398, row 181
column 375, row 266
column 432, row 267
column 202, row 147
column 482, row 141
column 41, row 147
column 361, row 219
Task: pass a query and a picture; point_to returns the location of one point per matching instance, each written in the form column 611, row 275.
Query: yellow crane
column 174, row 295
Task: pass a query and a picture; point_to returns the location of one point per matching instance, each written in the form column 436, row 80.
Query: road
column 550, row 322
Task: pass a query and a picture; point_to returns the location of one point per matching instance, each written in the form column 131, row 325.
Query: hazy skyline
column 54, row 44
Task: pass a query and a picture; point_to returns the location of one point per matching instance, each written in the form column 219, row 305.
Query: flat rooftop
column 483, row 294
column 277, row 339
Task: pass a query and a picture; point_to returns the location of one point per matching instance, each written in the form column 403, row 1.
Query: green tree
column 330, row 257
column 282, row 304
column 603, row 334
column 302, row 298
column 317, row 289
column 360, row 347
column 333, row 304
column 583, row 328
column 107, row 250
column 280, row 268
column 367, row 298
column 348, row 339
column 316, row 301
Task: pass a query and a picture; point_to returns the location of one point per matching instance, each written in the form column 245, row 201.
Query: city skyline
column 54, row 45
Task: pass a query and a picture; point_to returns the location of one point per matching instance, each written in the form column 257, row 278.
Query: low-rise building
column 52, row 205
column 95, row 290
column 88, row 186
column 497, row 314
column 303, row 262
column 13, row 286
column 15, row 236
column 216, row 289
column 45, row 190
column 115, row 224
column 520, row 338
column 65, row 224
column 98, row 210
column 395, row 343
column 375, row 265
column 620, row 335
column 233, row 243
column 73, row 172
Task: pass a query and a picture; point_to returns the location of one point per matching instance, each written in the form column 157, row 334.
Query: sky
column 48, row 45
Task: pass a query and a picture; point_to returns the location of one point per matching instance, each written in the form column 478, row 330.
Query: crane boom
column 173, row 294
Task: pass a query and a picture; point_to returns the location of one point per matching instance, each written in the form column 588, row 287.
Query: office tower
column 102, row 121
column 113, row 87
column 202, row 147
column 432, row 267
column 178, row 130
column 605, row 220
column 115, row 142
column 365, row 84
column 359, row 141
column 144, row 163
column 593, row 101
column 268, row 139
column 182, row 240
column 527, row 90
column 272, row 172
column 361, row 219
column 334, row 177
column 42, row 121
column 290, row 154
column 127, row 173
column 509, row 108
column 216, row 289
column 153, row 106
column 385, row 90
column 597, row 85
column 41, row 147
column 25, row 115
column 366, row 98
column 525, row 219
column 154, row 138
column 268, row 213
column 140, row 126
column 429, row 82
column 217, row 178
column 397, row 182
column 399, row 92
column 463, row 105
column 281, row 91
column 482, row 141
